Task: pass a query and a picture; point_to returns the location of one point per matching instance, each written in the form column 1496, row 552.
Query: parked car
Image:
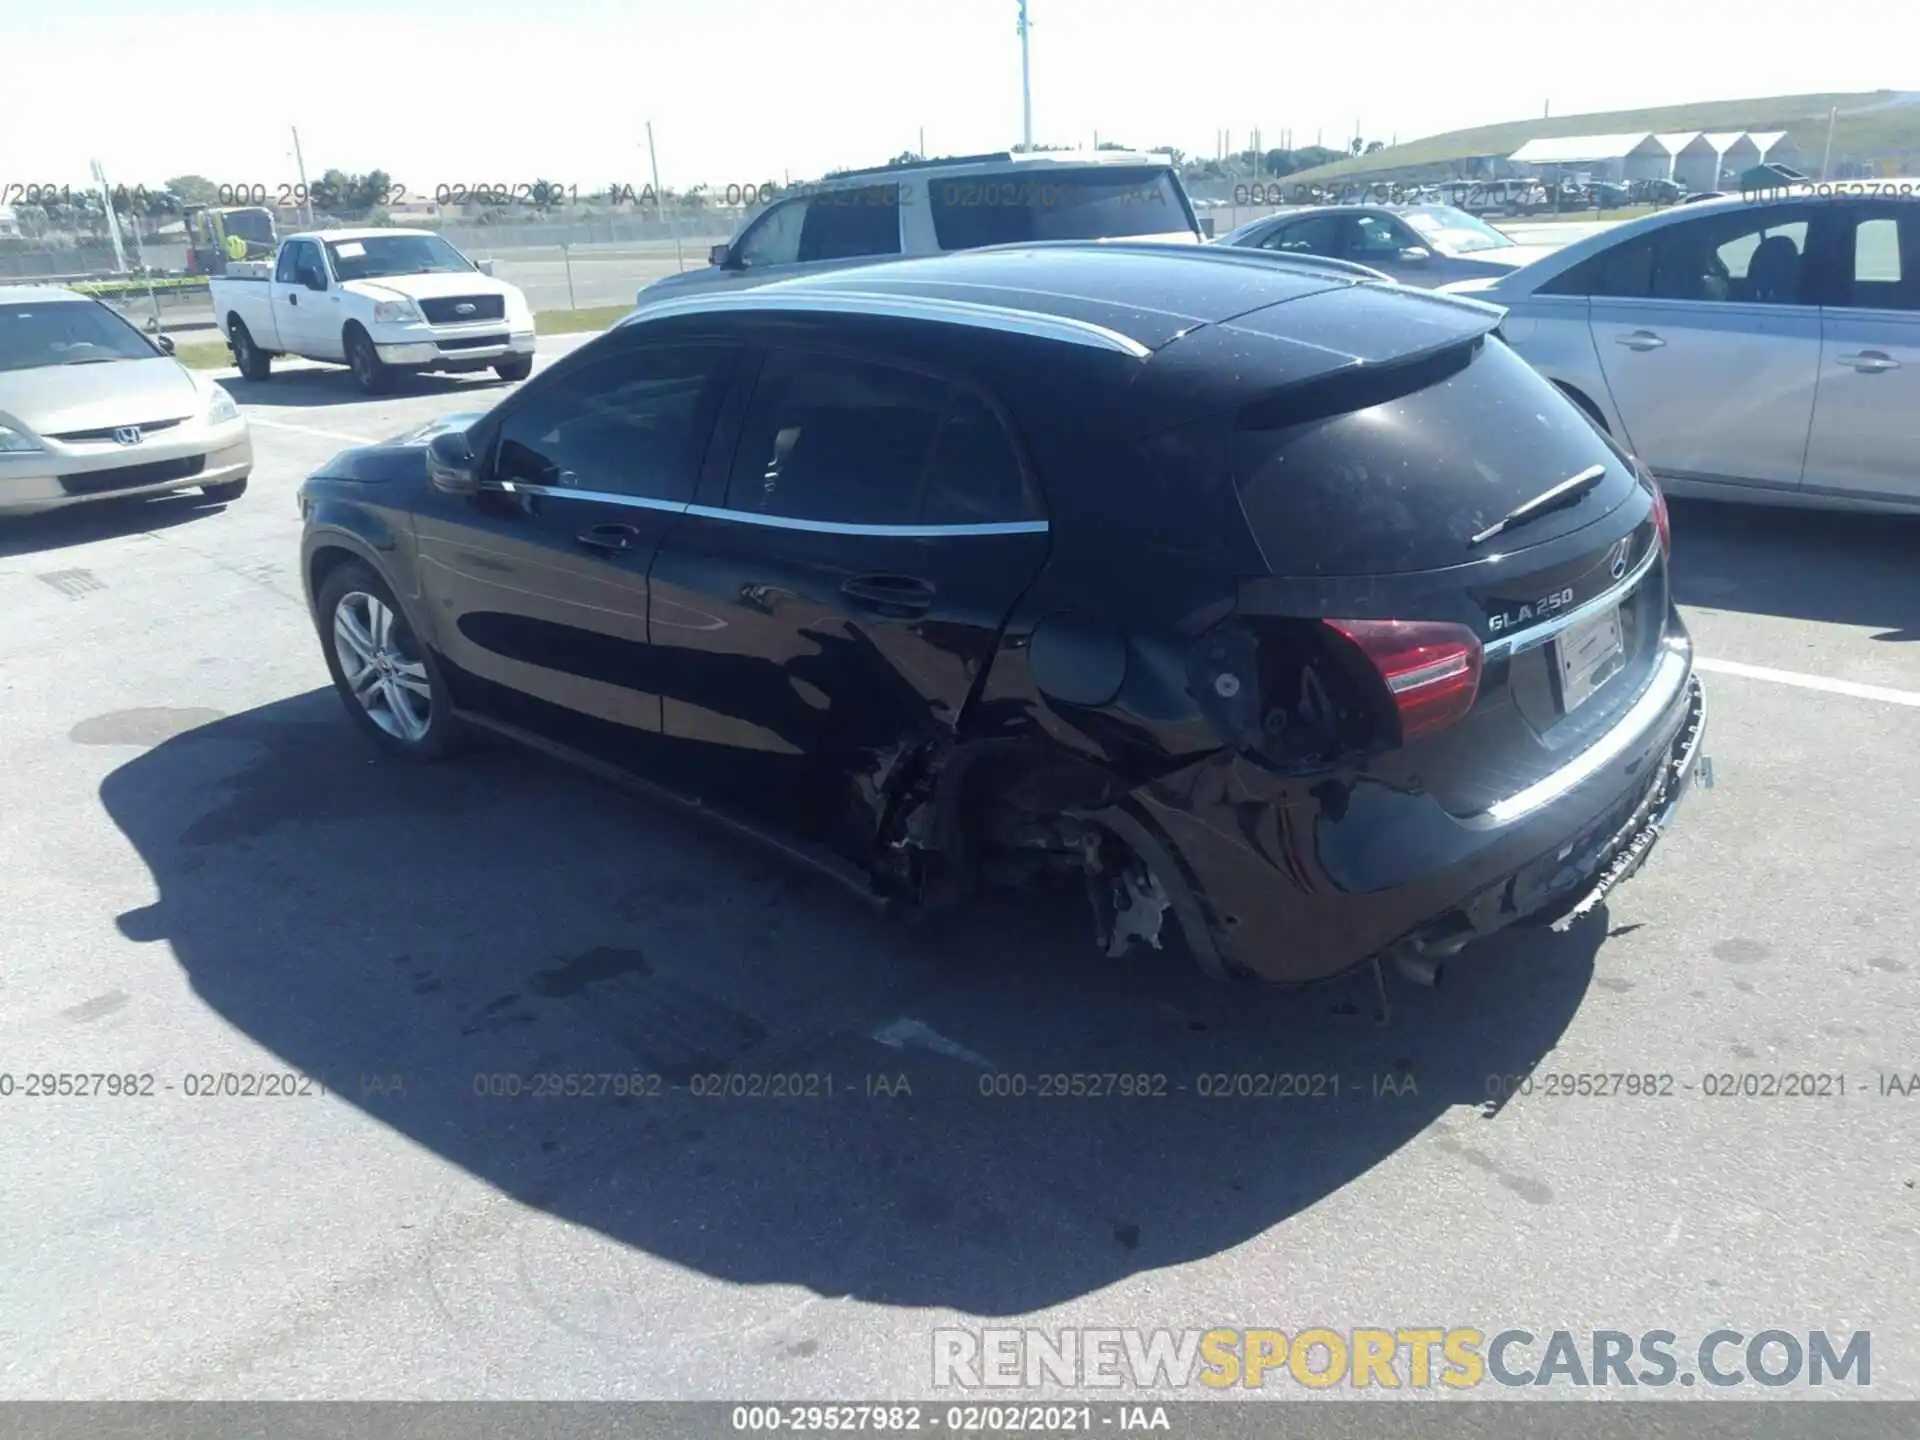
column 1223, row 583
column 1423, row 245
column 91, row 408
column 933, row 207
column 1744, row 351
column 378, row 301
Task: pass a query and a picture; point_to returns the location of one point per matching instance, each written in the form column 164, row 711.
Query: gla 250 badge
column 1538, row 610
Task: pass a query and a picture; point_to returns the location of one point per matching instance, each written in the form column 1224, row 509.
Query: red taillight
column 1660, row 520
column 1431, row 668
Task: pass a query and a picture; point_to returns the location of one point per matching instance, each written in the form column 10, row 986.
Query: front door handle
column 1869, row 362
column 890, row 593
column 293, row 299
column 609, row 537
column 1640, row 340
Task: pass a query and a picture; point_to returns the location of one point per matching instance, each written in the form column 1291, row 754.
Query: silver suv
column 929, row 207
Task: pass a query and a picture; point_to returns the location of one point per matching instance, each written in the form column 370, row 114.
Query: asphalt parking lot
column 208, row 872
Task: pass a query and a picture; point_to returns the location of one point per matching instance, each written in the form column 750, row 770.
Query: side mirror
column 451, row 467
column 719, row 255
column 485, row 267
column 1415, row 255
column 164, row 343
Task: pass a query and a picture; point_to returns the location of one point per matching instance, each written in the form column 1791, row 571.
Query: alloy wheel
column 380, row 667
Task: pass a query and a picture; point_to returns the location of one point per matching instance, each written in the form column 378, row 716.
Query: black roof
column 1164, row 332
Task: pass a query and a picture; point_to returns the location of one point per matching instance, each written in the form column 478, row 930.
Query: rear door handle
column 1640, row 340
column 609, row 537
column 890, row 592
column 1869, row 362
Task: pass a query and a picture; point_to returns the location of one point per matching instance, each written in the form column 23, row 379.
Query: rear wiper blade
column 1566, row 493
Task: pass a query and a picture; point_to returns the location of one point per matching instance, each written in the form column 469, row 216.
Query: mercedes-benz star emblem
column 1617, row 561
column 127, row 435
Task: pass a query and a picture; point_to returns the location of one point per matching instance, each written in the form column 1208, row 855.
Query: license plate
column 1589, row 654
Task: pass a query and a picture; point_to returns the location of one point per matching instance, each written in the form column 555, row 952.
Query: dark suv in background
column 1290, row 611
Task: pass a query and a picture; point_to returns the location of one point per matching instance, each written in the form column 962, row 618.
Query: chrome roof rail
column 774, row 299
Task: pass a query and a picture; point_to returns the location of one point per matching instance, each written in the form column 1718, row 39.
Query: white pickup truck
column 377, row 301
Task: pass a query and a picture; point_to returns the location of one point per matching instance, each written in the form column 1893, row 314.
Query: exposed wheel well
column 326, row 560
column 349, row 330
column 1579, row 398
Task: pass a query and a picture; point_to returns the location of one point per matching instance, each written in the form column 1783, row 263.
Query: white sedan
column 1763, row 350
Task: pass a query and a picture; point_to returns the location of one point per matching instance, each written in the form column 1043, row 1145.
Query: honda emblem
column 127, row 435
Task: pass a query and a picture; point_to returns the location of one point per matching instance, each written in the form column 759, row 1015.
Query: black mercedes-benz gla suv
column 1289, row 610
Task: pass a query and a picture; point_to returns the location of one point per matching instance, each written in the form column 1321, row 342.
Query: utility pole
column 922, row 151
column 1826, row 157
column 659, row 212
column 113, row 221
column 1026, row 82
column 301, row 164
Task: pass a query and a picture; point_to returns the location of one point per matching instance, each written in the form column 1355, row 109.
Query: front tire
column 255, row 364
column 373, row 376
column 226, row 492
column 388, row 680
column 518, row 368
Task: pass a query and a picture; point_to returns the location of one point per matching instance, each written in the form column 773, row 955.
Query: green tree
column 194, row 190
column 1374, row 147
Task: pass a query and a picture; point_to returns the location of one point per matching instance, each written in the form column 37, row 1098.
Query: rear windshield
column 66, row 332
column 1403, row 482
column 1105, row 202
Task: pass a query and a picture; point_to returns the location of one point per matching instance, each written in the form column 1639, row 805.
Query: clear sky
column 509, row 91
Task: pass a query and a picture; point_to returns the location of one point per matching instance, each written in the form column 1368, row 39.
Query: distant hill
column 1870, row 123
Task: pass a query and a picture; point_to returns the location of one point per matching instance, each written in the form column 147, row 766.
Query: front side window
column 1621, row 272
column 306, row 266
column 1376, row 237
column 633, row 423
column 850, row 442
column 774, row 238
column 287, row 271
column 1319, row 235
column 849, row 224
column 1752, row 255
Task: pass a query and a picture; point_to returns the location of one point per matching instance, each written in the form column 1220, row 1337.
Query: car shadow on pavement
column 1823, row 565
column 101, row 520
column 317, row 386
column 797, row 1090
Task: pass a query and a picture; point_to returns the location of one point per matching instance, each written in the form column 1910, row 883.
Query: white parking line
column 253, row 419
column 1809, row 682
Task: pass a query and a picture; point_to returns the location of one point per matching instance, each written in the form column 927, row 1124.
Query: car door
column 1864, row 417
column 538, row 584
column 837, row 601
column 1710, row 345
column 309, row 314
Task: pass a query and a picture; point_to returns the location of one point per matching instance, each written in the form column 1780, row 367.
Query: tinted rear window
column 1402, row 482
column 1099, row 203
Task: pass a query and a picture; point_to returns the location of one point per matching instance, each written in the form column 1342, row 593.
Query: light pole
column 113, row 221
column 1026, row 82
column 301, row 164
